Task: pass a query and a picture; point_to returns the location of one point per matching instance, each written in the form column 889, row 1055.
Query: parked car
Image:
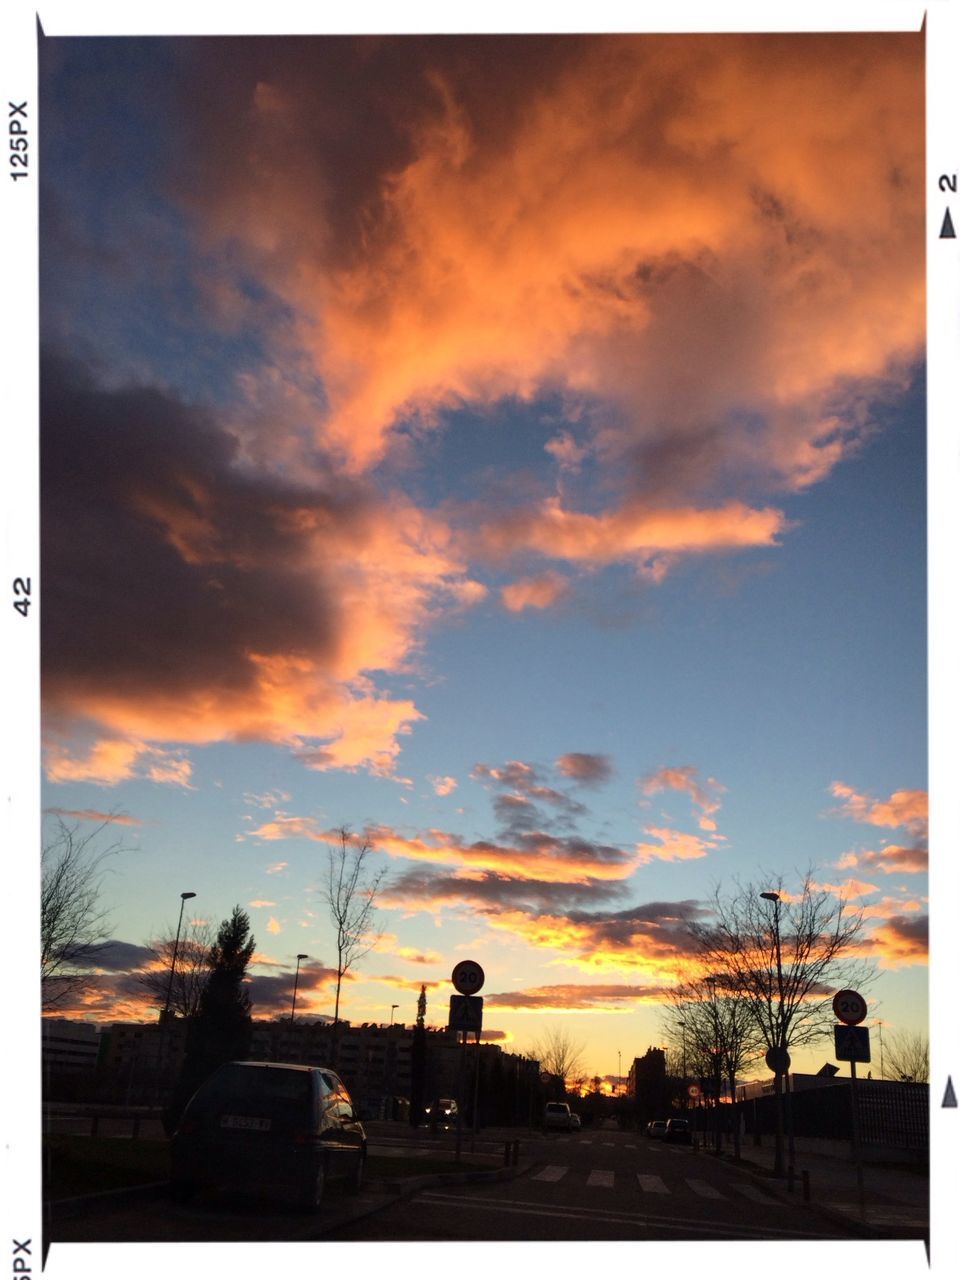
column 442, row 1113
column 557, row 1115
column 677, row 1131
column 276, row 1128
column 574, row 1120
column 656, row 1128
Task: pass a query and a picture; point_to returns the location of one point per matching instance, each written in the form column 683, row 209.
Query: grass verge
column 77, row 1166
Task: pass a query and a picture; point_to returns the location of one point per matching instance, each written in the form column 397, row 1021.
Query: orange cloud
column 650, row 538
column 684, row 778
column 536, row 856
column 899, row 942
column 560, row 996
column 908, row 809
column 534, row 593
column 443, row 786
column 638, row 217
column 95, row 815
column 109, row 761
column 675, row 846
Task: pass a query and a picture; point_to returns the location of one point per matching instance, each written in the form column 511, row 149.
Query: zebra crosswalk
column 652, row 1184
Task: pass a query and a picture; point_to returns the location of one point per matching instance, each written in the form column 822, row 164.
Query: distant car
column 442, row 1113
column 677, row 1131
column 574, row 1120
column 656, row 1128
column 276, row 1128
column 557, row 1115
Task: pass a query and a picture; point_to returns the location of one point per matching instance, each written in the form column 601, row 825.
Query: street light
column 173, row 963
column 165, row 1016
column 619, row 1075
column 781, row 1047
column 301, row 955
column 392, row 1007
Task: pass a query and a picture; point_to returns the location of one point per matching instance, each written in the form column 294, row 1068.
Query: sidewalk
column 896, row 1196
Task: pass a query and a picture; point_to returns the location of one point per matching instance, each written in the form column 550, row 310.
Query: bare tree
column 73, row 926
column 716, row 1034
column 349, row 892
column 560, row 1055
column 193, row 967
column 908, row 1057
column 784, row 954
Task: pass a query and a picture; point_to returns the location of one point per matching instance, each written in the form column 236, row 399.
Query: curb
column 118, row 1195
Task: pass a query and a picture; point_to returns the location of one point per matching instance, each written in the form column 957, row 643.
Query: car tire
column 182, row 1190
column 313, row 1196
column 355, row 1185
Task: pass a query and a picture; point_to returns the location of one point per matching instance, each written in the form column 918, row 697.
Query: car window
column 260, row 1088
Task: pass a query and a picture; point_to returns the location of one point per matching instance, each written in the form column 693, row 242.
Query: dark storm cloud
column 273, row 993
column 189, row 598
column 585, row 767
column 579, row 996
column 118, row 957
column 490, row 891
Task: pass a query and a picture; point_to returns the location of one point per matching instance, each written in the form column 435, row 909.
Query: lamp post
column 619, row 1075
column 173, row 962
column 392, row 1007
column 780, row 1046
column 296, row 979
column 165, row 1016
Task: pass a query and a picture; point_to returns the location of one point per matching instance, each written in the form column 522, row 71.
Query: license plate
column 243, row 1122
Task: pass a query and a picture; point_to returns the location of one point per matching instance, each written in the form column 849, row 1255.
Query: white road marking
column 650, row 1182
column 637, row 1220
column 754, row 1193
column 550, row 1173
column 600, row 1178
column 704, row 1189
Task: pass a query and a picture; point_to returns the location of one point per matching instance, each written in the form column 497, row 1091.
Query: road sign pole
column 476, row 1094
column 463, row 1050
column 855, row 1129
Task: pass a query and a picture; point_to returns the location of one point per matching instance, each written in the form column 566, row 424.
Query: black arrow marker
column 949, row 1098
column 946, row 231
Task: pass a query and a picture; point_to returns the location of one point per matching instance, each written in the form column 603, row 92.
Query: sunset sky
column 511, row 448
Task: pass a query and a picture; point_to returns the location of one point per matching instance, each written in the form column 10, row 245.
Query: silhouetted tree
column 73, row 927
column 908, row 1058
column 783, row 954
column 560, row 1055
column 222, row 1028
column 349, row 895
column 190, row 976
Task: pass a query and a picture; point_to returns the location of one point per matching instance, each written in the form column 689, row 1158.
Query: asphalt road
column 592, row 1185
column 602, row 1185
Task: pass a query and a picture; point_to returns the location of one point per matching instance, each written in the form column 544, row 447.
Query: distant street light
column 173, row 962
column 296, row 979
column 619, row 1075
column 392, row 1007
column 778, row 1074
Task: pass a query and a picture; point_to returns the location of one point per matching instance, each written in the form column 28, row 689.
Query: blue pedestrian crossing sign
column 466, row 1014
column 851, row 1044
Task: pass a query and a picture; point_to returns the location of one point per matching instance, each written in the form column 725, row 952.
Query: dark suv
column 270, row 1127
column 677, row 1131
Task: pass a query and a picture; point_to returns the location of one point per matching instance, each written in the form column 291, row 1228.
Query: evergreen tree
column 222, row 1029
column 418, row 1061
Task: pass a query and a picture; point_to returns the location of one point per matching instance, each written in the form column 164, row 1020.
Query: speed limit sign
column 467, row 977
column 850, row 1007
